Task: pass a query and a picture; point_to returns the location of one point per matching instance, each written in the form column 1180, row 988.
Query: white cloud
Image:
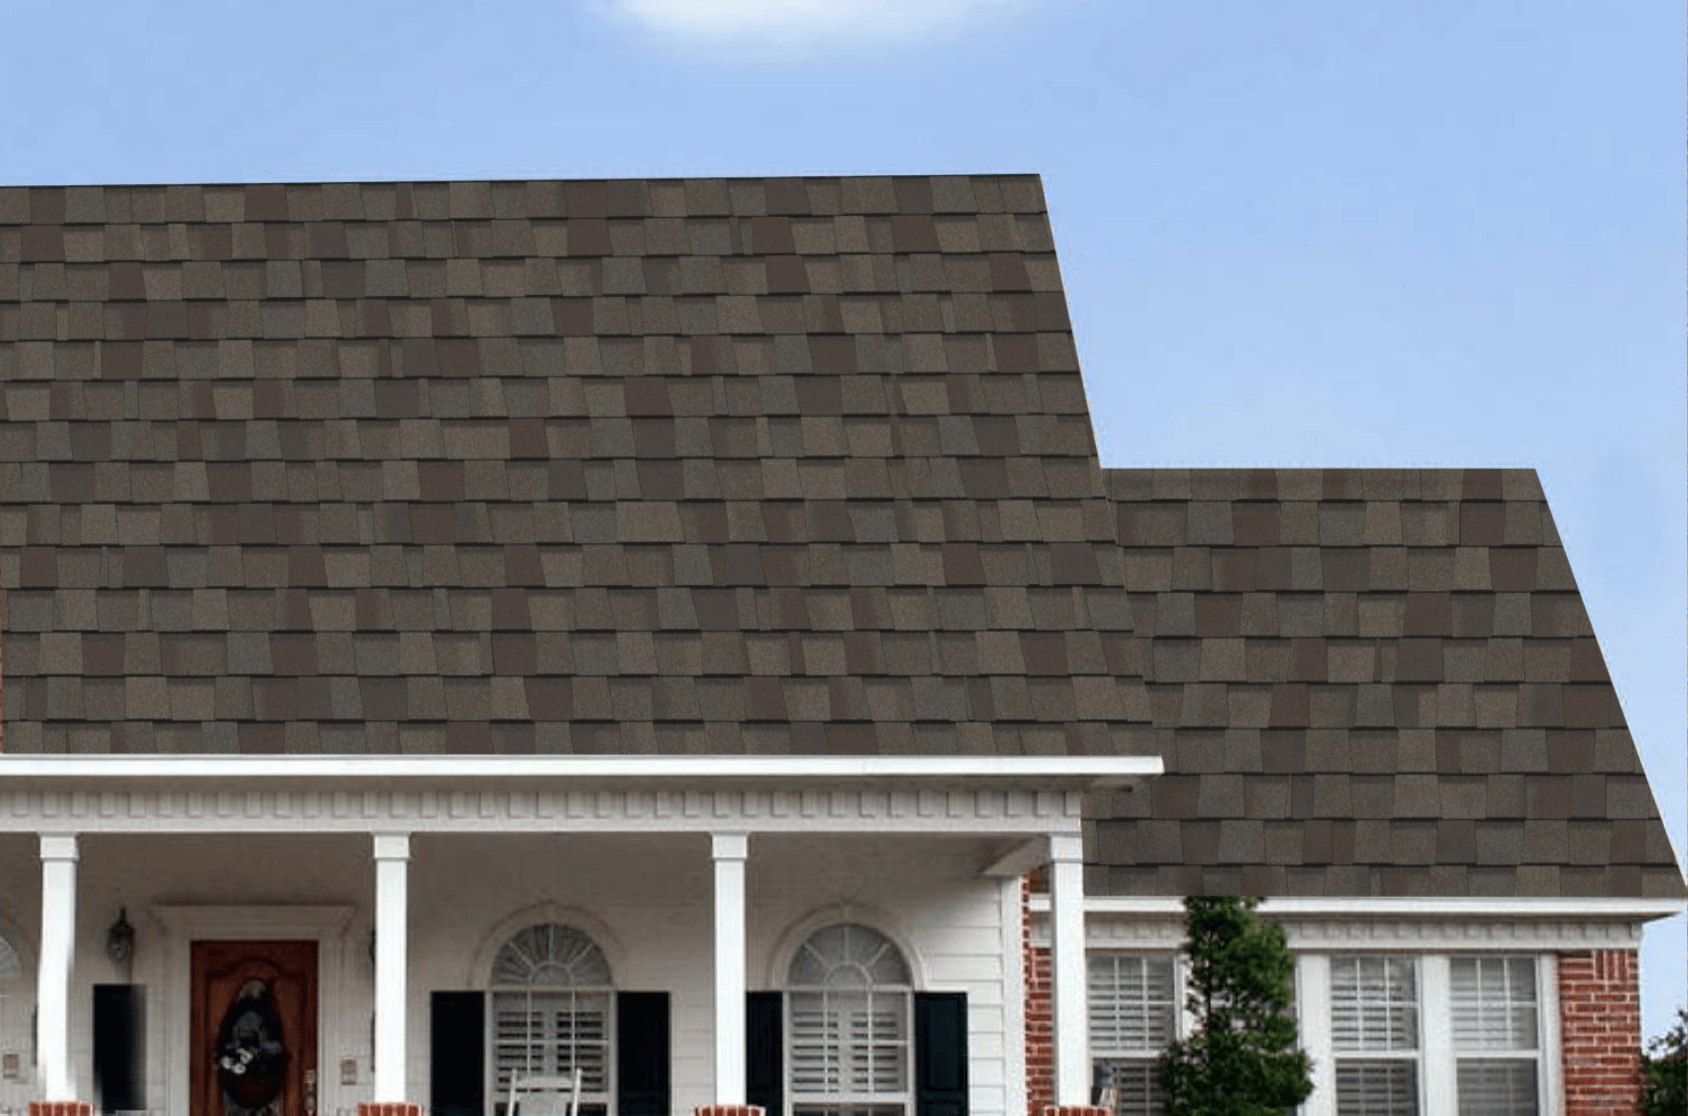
column 804, row 21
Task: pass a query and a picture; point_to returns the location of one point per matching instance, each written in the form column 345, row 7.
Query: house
column 460, row 634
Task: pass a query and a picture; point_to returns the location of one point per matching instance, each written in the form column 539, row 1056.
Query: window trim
column 1414, row 1056
column 1438, row 1061
column 1538, row 1056
column 507, row 931
column 1182, row 1021
column 905, row 1099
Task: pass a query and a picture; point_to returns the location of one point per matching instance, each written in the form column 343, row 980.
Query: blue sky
column 1315, row 233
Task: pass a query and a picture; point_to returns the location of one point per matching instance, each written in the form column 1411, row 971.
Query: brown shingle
column 1453, row 638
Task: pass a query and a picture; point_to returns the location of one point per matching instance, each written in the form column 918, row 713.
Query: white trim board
column 148, row 806
column 1420, row 925
column 1021, row 772
column 1369, row 907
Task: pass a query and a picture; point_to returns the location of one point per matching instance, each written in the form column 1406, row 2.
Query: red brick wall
column 1040, row 1013
column 1600, row 1031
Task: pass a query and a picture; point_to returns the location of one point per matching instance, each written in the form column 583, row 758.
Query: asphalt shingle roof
column 686, row 466
column 759, row 465
column 1371, row 682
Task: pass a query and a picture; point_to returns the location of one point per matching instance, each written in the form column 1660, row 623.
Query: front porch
column 699, row 880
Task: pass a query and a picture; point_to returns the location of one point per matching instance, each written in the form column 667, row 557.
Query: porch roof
column 1012, row 796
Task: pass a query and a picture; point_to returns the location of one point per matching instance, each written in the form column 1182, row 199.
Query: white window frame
column 1413, row 1057
column 1182, row 1022
column 498, row 1095
column 1438, row 1061
column 1535, row 1056
column 855, row 1102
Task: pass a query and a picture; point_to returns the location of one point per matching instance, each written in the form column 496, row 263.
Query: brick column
column 1039, row 1013
column 1600, row 1031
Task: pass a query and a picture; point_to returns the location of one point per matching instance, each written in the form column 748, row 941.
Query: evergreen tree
column 1241, row 1060
column 1664, row 1090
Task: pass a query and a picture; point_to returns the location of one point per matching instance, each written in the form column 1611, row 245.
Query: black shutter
column 641, row 1054
column 940, row 1054
column 457, row 1054
column 120, row 1046
column 764, row 1052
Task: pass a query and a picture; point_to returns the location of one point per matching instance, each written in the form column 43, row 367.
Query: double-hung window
column 1496, row 1035
column 1392, row 1034
column 1374, row 1029
column 1133, row 1019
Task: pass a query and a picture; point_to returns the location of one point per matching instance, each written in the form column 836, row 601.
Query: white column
column 729, row 851
column 1312, row 1021
column 392, row 862
column 58, row 945
column 1068, row 965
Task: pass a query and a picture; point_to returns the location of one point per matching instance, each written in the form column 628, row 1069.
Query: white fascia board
column 1400, row 907
column 1071, row 773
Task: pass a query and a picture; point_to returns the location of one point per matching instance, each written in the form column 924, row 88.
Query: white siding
column 647, row 897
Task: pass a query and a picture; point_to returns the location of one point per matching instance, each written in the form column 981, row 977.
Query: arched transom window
column 850, row 998
column 551, row 995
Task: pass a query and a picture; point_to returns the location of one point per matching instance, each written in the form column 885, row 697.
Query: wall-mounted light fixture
column 120, row 938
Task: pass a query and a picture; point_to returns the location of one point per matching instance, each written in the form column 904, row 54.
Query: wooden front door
column 253, row 1029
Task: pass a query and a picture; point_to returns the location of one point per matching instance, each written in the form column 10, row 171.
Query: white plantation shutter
column 1131, row 1087
column 848, row 1023
column 1133, row 1018
column 551, row 1033
column 1496, row 1029
column 551, row 1012
column 1131, row 1004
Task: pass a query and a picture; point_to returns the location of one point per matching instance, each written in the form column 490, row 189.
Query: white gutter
column 1398, row 907
column 1042, row 772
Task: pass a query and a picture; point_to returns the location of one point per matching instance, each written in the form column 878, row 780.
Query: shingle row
column 911, row 195
column 1085, row 616
column 341, row 260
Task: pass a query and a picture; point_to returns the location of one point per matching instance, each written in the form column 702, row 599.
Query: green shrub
column 1664, row 1071
column 1241, row 1060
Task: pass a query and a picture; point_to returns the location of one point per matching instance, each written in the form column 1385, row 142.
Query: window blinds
column 1495, row 1014
column 1131, row 1004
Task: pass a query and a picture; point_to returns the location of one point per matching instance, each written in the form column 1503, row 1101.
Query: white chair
column 544, row 1094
